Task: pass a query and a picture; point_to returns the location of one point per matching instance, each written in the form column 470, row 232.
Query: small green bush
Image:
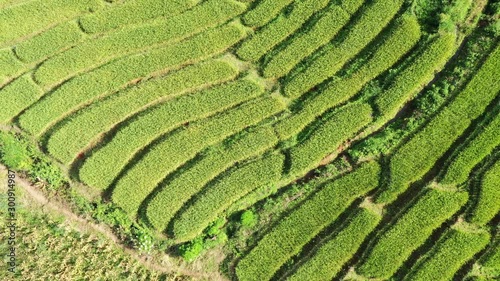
column 248, row 218
column 143, row 239
column 13, row 153
column 214, row 228
column 191, row 250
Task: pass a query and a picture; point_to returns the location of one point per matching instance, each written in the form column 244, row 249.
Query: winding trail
column 54, row 205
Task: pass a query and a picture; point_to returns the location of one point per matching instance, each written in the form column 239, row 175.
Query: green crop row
column 351, row 6
column 95, row 52
column 182, row 146
column 418, row 73
column 417, row 156
column 339, row 249
column 18, row 95
column 10, row 66
column 490, row 262
column 7, row 3
column 333, row 56
column 448, row 255
column 288, row 237
column 488, row 201
column 216, row 198
column 306, row 43
column 105, row 164
column 264, row 12
column 328, row 137
column 402, row 37
column 410, row 231
column 49, row 42
column 103, row 80
column 174, row 194
column 64, row 144
column 35, row 16
column 131, row 12
column 279, row 29
column 479, row 147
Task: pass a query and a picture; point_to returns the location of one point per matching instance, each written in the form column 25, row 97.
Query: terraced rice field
column 187, row 112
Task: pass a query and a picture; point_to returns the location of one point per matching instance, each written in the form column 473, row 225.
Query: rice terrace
column 250, row 139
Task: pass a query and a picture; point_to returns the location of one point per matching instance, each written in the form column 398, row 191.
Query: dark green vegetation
column 302, row 139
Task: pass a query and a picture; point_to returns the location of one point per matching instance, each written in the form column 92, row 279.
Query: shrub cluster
column 214, row 235
column 304, row 223
column 17, row 153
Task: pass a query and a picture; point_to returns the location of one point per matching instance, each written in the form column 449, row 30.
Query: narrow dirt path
column 83, row 225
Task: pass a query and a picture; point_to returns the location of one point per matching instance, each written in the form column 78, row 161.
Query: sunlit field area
column 258, row 140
